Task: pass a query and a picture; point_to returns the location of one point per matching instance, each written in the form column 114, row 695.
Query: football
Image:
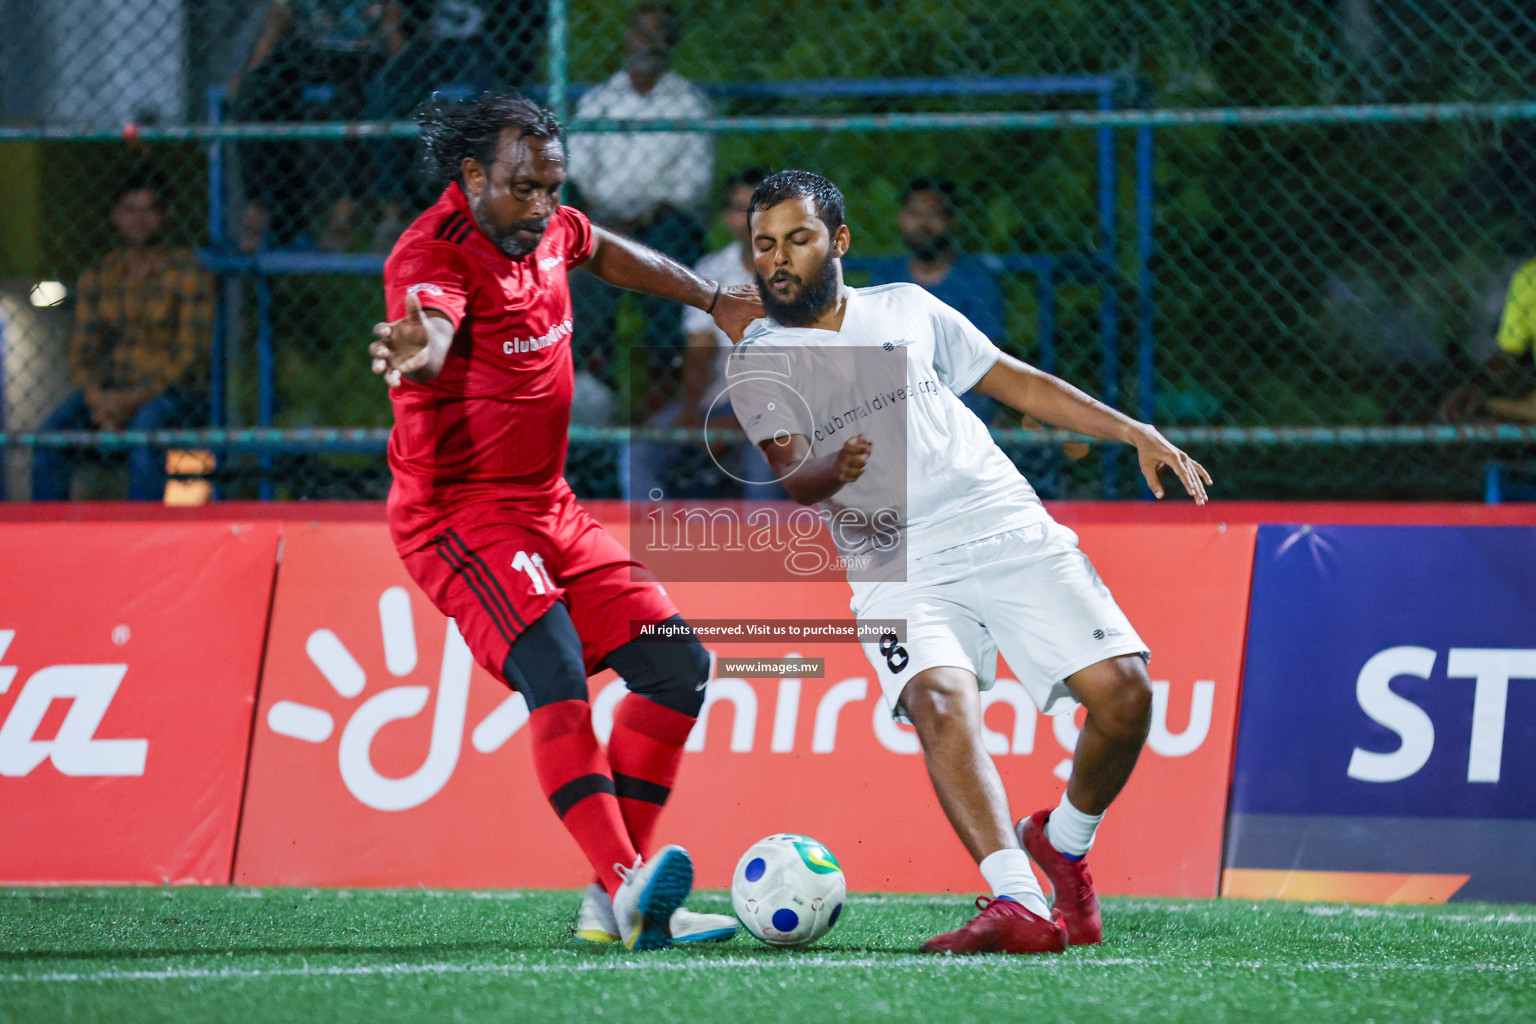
column 788, row 890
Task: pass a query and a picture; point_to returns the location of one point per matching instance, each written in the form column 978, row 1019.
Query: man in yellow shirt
column 1516, row 338
column 138, row 353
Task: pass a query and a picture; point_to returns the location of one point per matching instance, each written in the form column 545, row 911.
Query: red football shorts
column 496, row 569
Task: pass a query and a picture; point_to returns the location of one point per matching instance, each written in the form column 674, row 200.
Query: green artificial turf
column 248, row 956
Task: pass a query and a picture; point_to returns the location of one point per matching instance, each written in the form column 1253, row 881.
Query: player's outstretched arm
column 1053, row 400
column 808, row 481
column 412, row 348
column 625, row 263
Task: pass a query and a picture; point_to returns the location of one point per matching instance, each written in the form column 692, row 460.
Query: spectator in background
column 687, row 471
column 927, row 223
column 454, row 47
column 647, row 185
column 138, row 352
column 313, row 61
column 1384, row 324
column 1502, row 372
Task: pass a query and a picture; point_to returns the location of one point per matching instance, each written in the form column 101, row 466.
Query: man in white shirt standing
column 650, row 186
column 853, row 396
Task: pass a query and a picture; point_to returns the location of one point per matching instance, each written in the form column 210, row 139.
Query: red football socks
column 576, row 779
column 644, row 750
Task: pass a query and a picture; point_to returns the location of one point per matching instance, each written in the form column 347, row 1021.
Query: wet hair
column 783, row 186
column 454, row 129
column 141, row 179
column 945, row 190
column 671, row 24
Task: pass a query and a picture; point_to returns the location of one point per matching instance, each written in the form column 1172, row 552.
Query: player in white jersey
column 852, row 394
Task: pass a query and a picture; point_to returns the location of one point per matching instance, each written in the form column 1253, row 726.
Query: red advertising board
column 128, row 664
column 382, row 756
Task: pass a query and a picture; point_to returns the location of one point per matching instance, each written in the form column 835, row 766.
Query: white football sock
column 1070, row 830
column 1009, row 874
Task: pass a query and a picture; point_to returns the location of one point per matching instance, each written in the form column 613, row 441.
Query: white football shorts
column 1030, row 594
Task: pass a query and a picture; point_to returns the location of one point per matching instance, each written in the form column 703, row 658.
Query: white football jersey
column 935, row 477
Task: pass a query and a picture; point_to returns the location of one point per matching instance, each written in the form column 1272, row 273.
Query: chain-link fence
column 1285, row 231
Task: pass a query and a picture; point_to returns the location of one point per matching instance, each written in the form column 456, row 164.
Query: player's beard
column 509, row 242
column 816, row 294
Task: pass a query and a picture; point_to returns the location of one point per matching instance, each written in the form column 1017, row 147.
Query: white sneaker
column 595, row 921
column 688, row 926
column 649, row 893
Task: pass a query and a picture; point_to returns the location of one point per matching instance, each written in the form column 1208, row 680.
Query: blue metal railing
column 1006, row 120
column 375, row 439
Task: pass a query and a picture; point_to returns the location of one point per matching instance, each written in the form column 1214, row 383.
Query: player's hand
column 400, row 347
column 737, row 307
column 1154, row 452
column 852, row 458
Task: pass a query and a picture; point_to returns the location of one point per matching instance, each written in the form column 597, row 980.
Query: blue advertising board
column 1388, row 718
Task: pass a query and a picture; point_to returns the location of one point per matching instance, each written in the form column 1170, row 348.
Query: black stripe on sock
column 629, row 787
column 489, row 576
column 577, row 790
column 508, row 634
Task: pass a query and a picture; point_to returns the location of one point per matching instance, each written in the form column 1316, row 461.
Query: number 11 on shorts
column 533, row 565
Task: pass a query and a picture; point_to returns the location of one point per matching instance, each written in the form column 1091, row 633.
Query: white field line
column 736, row 964
column 1507, row 918
column 1405, row 913
column 1333, row 910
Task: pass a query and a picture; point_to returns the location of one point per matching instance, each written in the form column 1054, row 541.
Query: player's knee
column 671, row 672
column 545, row 663
column 1121, row 704
column 937, row 696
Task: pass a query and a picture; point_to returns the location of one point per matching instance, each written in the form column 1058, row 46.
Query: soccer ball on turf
column 788, row 890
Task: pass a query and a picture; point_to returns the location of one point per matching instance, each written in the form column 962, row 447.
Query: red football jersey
column 492, row 426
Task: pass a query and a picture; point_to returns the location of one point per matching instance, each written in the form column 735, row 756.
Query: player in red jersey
column 478, row 357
